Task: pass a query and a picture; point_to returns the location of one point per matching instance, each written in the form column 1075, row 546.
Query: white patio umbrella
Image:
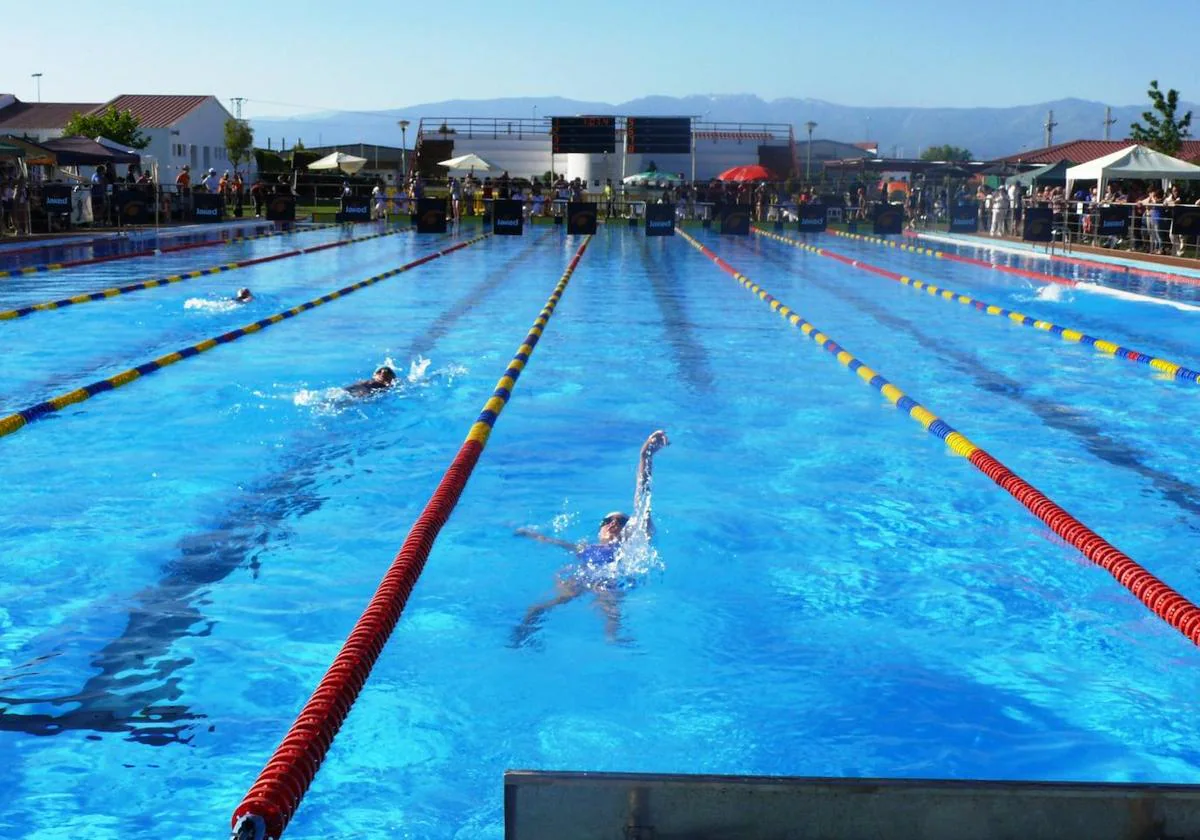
column 469, row 162
column 339, row 160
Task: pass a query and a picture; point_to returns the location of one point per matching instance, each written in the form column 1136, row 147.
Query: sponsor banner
column 56, row 198
column 1186, row 221
column 355, row 210
column 660, row 220
column 430, row 216
column 1112, row 221
column 508, row 217
column 134, row 207
column 735, row 219
column 208, row 207
column 889, row 220
column 812, row 218
column 1038, row 225
column 964, row 218
column 581, row 218
column 281, row 208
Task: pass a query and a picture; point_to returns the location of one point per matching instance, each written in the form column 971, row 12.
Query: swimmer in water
column 381, row 380
column 243, row 296
column 597, row 560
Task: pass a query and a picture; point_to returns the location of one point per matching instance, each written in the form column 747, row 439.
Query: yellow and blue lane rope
column 912, row 249
column 1162, row 600
column 1172, row 369
column 104, row 294
column 13, row 422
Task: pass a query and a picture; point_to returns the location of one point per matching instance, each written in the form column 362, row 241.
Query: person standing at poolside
column 596, row 564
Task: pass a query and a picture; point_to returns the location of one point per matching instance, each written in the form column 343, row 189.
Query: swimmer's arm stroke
column 534, row 535
column 656, row 441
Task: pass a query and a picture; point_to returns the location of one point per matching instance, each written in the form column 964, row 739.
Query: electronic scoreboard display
column 583, row 135
column 658, row 135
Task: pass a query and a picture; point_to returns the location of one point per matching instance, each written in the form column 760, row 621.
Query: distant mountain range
column 986, row 132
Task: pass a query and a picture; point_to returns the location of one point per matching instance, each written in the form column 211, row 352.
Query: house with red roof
column 1082, row 151
column 182, row 129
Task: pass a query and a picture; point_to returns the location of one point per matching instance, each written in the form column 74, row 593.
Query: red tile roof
column 155, row 111
column 21, row 116
column 1081, row 151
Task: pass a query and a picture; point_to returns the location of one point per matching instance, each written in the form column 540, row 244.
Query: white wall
column 201, row 134
column 530, row 155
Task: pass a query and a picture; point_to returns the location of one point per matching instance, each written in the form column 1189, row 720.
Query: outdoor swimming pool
column 833, row 592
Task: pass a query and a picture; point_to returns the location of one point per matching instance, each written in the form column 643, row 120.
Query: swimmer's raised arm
column 655, row 442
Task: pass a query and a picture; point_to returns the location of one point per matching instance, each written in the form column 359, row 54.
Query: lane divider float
column 151, row 252
column 1067, row 334
column 104, row 294
column 942, row 255
column 272, row 800
column 13, row 422
column 1162, row 600
column 1161, row 276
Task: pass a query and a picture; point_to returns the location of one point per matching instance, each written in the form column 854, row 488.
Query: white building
column 182, row 129
column 522, row 147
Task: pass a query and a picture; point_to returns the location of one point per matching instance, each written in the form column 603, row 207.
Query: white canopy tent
column 339, row 160
column 1132, row 162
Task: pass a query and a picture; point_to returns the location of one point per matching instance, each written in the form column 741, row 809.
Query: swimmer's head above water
column 243, row 295
column 612, row 525
column 384, row 376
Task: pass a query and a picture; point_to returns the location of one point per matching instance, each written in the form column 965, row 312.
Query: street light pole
column 38, row 76
column 810, row 125
column 403, row 151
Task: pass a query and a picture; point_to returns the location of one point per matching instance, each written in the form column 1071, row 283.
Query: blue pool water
column 833, row 593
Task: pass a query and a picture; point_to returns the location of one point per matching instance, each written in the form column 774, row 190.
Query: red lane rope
column 272, row 800
column 1164, row 276
column 1162, row 600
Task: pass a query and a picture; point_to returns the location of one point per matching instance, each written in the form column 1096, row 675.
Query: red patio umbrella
column 751, row 172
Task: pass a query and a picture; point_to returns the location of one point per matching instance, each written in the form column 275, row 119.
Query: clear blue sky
column 372, row 54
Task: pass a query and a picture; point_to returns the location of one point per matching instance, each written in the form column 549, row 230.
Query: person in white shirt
column 380, row 199
column 999, row 211
column 210, row 180
column 1014, row 208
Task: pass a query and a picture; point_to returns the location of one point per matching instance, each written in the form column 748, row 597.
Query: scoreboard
column 658, row 135
column 583, row 135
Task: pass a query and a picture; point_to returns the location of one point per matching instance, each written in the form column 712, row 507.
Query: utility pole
column 810, row 125
column 237, row 105
column 1049, row 125
column 38, row 76
column 1108, row 121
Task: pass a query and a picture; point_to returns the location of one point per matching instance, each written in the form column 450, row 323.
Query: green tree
column 1164, row 133
column 946, row 153
column 118, row 126
column 239, row 140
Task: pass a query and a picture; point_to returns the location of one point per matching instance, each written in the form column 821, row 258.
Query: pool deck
column 85, row 238
column 1145, row 262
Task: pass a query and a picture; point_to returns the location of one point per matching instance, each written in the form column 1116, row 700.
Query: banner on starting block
column 889, row 220
column 355, row 210
column 134, row 207
column 1112, row 221
column 208, row 207
column 1186, row 221
column 964, row 218
column 430, row 216
column 812, row 218
column 660, row 220
column 281, row 208
column 581, row 218
column 1038, row 225
column 508, row 217
column 56, row 198
column 735, row 219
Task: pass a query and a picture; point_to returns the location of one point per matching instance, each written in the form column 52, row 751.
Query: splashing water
column 210, row 305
